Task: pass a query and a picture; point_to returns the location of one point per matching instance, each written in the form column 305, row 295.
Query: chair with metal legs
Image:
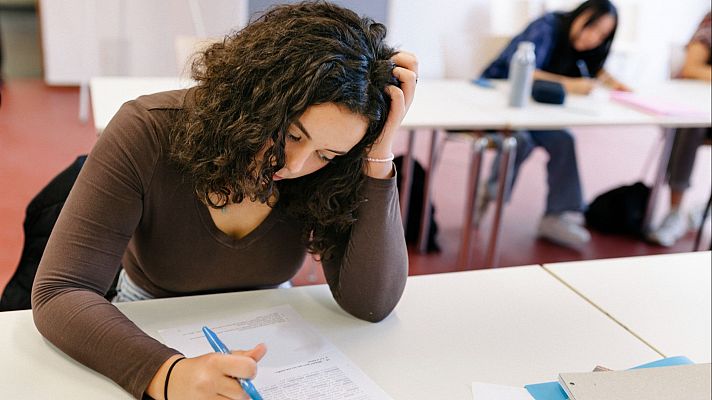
column 701, row 229
column 705, row 214
column 506, row 166
column 478, row 143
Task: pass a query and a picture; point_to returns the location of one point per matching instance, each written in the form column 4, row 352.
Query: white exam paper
column 300, row 364
column 488, row 391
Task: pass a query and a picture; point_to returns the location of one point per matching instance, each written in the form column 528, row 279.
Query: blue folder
column 553, row 391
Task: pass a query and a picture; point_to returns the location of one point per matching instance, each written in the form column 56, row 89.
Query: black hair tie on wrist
column 168, row 377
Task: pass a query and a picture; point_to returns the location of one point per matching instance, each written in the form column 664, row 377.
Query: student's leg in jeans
column 564, row 186
column 525, row 146
column 562, row 171
column 682, row 161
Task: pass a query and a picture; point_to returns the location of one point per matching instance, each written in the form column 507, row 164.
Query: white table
column 598, row 109
column 109, row 93
column 444, row 104
column 510, row 326
column 459, row 105
column 665, row 300
column 691, row 94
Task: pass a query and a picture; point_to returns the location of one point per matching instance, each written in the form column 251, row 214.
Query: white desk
column 109, row 93
column 455, row 104
column 510, row 326
column 598, row 109
column 460, row 105
column 691, row 94
column 444, row 104
column 663, row 299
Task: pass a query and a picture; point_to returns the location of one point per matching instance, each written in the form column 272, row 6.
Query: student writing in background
column 571, row 48
column 698, row 58
column 282, row 148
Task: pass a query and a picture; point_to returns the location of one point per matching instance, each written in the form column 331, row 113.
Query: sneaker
column 560, row 229
column 673, row 227
column 574, row 217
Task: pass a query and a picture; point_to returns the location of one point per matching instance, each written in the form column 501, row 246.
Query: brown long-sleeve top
column 131, row 207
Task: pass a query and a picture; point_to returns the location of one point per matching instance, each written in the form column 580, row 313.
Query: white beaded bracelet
column 381, row 160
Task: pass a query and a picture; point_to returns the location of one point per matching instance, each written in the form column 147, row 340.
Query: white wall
column 453, row 38
column 375, row 9
column 444, row 35
column 657, row 25
column 82, row 38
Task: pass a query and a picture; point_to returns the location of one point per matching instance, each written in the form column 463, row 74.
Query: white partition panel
column 84, row 38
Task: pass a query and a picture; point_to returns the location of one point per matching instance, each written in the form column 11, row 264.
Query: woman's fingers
column 406, row 60
column 406, row 71
column 398, row 108
column 397, row 100
column 407, row 79
column 237, row 366
column 255, row 353
column 214, row 375
column 230, row 388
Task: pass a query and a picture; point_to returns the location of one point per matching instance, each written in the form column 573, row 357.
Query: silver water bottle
column 521, row 74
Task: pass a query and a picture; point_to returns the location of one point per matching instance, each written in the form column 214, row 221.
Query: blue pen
column 219, row 347
column 583, row 69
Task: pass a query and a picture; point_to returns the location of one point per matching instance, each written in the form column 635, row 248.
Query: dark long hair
column 255, row 83
column 564, row 57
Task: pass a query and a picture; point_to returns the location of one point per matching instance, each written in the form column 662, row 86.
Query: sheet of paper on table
column 300, row 364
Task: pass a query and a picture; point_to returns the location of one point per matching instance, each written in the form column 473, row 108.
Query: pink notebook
column 654, row 106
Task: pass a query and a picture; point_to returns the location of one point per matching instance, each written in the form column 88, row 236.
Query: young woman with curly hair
column 282, row 149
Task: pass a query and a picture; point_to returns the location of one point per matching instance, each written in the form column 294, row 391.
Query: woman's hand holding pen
column 579, row 85
column 586, row 85
column 210, row 376
column 617, row 85
column 406, row 71
column 612, row 83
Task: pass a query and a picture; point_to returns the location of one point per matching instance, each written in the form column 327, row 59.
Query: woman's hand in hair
column 406, row 71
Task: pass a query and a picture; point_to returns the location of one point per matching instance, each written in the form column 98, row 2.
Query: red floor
column 40, row 135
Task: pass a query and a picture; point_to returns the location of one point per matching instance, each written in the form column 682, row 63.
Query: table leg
column 506, row 171
column 406, row 178
column 701, row 230
column 659, row 178
column 477, row 148
column 429, row 173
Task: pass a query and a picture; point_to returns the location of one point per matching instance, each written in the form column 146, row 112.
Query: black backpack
column 40, row 217
column 620, row 210
column 415, row 207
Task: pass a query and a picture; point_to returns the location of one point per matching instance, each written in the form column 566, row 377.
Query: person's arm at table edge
column 696, row 66
column 571, row 85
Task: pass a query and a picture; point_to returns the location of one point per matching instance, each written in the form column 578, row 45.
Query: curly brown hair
column 255, row 83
